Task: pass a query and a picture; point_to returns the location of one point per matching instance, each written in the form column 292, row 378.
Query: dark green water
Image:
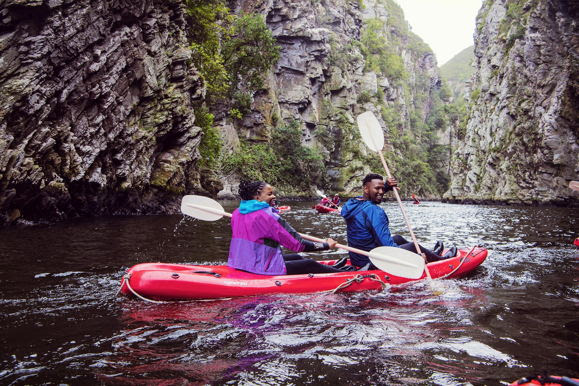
column 517, row 315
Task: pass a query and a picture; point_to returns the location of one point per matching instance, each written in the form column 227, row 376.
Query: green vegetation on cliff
column 233, row 53
column 229, row 50
column 457, row 73
column 284, row 162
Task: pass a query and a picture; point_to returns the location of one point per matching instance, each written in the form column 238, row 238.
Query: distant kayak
column 576, row 242
column 325, row 209
column 158, row 281
column 415, row 199
column 285, row 208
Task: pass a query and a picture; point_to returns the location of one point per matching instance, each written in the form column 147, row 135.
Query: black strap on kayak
column 209, row 273
column 460, row 263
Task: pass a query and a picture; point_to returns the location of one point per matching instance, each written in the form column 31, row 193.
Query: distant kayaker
column 416, row 201
column 258, row 231
column 325, row 201
column 367, row 224
column 336, row 199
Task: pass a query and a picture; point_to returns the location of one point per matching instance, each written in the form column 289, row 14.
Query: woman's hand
column 331, row 243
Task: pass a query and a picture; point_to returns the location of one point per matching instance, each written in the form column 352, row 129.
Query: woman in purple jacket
column 258, row 232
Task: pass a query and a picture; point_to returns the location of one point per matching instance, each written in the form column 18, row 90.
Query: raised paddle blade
column 371, row 131
column 202, row 208
column 398, row 262
column 574, row 185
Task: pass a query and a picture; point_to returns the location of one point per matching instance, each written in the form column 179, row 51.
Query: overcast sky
column 446, row 26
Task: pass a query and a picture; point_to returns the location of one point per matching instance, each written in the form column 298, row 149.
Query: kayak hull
column 159, row 281
column 324, row 209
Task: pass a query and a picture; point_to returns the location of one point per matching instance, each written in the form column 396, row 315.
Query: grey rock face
column 317, row 77
column 96, row 101
column 321, row 77
column 95, row 113
column 521, row 143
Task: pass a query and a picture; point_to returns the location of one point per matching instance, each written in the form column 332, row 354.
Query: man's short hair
column 371, row 176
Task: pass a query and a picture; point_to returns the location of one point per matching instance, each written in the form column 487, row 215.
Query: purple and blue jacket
column 257, row 233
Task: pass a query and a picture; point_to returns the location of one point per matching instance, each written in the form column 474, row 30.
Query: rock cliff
column 521, row 141
column 98, row 99
column 94, row 108
column 324, row 79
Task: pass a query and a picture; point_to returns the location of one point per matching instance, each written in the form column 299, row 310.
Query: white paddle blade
column 202, row 208
column 371, row 131
column 398, row 262
column 320, row 193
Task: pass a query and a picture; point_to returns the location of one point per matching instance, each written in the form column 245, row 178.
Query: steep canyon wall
column 97, row 99
column 324, row 80
column 95, row 113
column 521, row 142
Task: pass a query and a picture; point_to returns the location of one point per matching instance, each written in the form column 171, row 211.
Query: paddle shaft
column 307, row 237
column 397, row 195
column 334, row 205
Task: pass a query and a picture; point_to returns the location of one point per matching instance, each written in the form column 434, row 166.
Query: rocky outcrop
column 316, row 80
column 98, row 98
column 95, row 108
column 322, row 81
column 521, row 141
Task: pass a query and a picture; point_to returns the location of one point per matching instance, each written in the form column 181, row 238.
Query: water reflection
column 62, row 320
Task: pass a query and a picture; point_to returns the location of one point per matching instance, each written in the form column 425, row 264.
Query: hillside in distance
column 458, row 71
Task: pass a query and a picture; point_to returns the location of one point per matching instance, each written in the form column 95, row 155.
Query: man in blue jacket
column 368, row 224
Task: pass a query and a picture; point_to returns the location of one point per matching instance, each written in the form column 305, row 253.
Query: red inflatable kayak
column 324, row 209
column 546, row 380
column 160, row 281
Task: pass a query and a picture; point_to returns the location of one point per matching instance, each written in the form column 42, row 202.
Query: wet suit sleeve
column 287, row 236
column 379, row 226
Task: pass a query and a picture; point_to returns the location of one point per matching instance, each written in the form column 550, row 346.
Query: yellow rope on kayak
column 358, row 279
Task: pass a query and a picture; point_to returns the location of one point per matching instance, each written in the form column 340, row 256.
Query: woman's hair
column 248, row 190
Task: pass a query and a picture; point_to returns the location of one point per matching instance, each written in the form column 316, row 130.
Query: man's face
column 374, row 191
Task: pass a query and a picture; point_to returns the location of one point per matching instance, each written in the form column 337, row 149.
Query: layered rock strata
column 521, row 142
column 322, row 80
column 95, row 113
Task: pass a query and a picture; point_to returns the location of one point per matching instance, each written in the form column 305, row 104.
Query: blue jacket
column 367, row 228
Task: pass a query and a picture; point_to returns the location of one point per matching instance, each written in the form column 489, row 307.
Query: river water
column 63, row 322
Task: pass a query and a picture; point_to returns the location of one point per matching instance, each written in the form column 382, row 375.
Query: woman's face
column 266, row 195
